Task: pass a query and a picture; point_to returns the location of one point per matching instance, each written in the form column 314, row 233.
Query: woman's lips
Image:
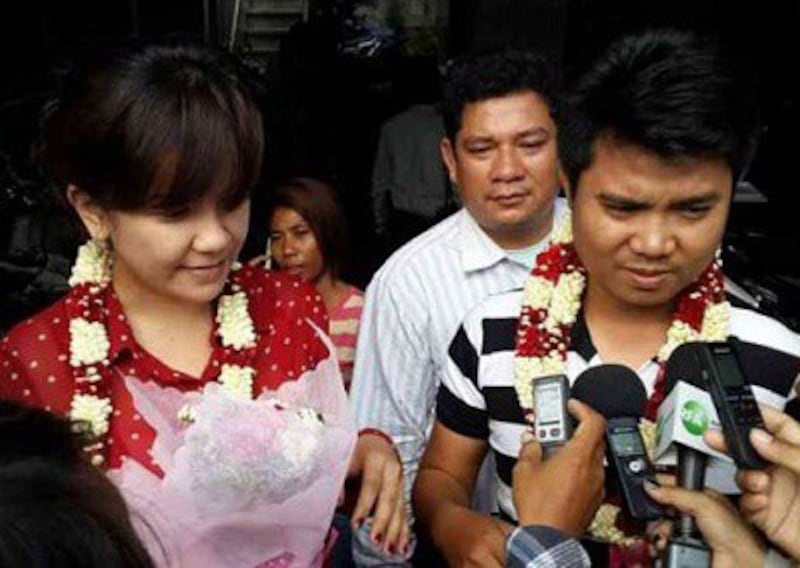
column 207, row 272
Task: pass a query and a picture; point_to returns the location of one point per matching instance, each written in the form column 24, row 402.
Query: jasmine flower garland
column 551, row 300
column 89, row 346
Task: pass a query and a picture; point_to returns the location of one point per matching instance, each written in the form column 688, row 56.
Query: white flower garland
column 562, row 303
column 89, row 346
column 549, row 308
column 237, row 381
column 93, row 265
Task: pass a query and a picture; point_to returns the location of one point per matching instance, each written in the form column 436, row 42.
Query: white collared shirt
column 413, row 307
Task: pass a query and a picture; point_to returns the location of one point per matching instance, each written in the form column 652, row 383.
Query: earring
column 268, row 255
column 93, row 263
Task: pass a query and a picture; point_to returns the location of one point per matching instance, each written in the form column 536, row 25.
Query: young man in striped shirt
column 658, row 135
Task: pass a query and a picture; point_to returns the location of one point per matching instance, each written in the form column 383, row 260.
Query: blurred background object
column 330, row 73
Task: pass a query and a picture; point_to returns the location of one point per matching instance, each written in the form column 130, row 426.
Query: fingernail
column 652, row 480
column 760, row 436
column 376, row 538
column 390, row 549
column 650, row 485
column 526, row 436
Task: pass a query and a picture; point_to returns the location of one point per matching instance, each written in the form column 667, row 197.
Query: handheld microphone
column 686, row 548
column 715, row 367
column 617, row 393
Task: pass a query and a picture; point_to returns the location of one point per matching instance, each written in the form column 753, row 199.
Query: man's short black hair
column 497, row 74
column 669, row 92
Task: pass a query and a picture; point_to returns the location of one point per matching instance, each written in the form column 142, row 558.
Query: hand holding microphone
column 732, row 541
column 771, row 498
column 564, row 491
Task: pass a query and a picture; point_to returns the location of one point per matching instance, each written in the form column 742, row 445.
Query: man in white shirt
column 500, row 114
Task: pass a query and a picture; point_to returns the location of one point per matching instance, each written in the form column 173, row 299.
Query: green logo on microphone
column 694, row 418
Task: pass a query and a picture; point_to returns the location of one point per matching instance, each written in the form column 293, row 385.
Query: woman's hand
column 382, row 494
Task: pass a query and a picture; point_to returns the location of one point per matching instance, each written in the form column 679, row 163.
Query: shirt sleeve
column 543, row 547
column 394, row 380
column 460, row 405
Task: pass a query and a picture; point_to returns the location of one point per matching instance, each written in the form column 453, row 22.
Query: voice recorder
column 733, row 399
column 552, row 422
column 628, row 457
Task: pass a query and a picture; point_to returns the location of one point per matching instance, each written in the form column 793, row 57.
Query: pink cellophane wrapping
column 250, row 482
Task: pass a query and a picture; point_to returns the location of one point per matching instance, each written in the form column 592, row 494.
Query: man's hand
column 564, row 491
column 732, row 541
column 481, row 542
column 771, row 498
column 441, row 497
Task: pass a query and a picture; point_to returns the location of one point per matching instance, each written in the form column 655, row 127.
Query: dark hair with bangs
column 477, row 78
column 159, row 128
column 669, row 92
column 316, row 202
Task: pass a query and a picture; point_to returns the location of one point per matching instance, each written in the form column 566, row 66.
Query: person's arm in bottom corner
column 557, row 497
column 442, row 495
column 540, row 546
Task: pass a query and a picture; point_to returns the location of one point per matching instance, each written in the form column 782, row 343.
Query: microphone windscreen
column 612, row 390
column 685, row 365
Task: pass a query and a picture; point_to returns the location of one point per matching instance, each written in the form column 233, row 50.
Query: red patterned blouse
column 35, row 370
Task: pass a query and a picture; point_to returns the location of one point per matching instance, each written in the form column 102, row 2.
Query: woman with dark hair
column 202, row 387
column 307, row 238
column 55, row 509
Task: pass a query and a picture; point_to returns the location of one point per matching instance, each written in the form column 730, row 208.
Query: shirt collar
column 581, row 343
column 581, row 340
column 120, row 335
column 478, row 250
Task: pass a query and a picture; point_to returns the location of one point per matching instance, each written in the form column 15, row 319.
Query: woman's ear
column 94, row 218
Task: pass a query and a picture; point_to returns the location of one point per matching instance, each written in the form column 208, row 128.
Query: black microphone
column 612, row 390
column 617, row 393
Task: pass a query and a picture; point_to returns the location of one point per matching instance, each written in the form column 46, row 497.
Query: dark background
column 323, row 109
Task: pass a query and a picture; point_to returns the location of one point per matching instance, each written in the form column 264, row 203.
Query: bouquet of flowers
column 246, row 482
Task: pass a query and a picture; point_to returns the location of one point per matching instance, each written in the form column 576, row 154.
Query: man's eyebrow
column 477, row 139
column 488, row 138
column 618, row 200
column 703, row 199
column 534, row 131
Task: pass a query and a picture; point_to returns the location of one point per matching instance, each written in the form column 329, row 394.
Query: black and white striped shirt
column 477, row 396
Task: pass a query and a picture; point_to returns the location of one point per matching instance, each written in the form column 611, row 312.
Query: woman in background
column 308, row 239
